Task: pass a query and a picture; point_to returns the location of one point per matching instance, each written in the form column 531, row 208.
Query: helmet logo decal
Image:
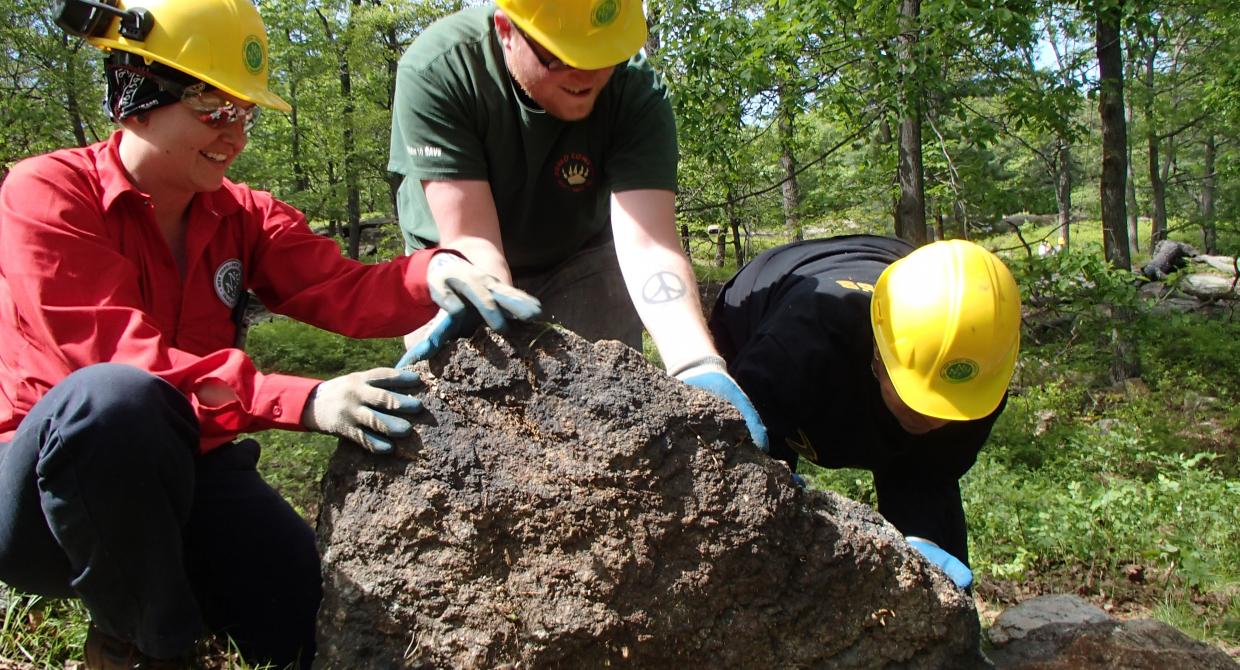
column 228, row 282
column 574, row 172
column 253, row 55
column 604, row 12
column 959, row 371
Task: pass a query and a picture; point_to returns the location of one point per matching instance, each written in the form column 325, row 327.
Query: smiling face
column 169, row 152
column 568, row 94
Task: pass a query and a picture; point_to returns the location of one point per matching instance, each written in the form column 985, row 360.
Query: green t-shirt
column 458, row 115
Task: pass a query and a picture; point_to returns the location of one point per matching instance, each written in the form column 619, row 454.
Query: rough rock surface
column 1067, row 633
column 568, row 505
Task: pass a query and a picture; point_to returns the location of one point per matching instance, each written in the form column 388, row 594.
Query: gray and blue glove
column 958, row 572
column 453, row 282
column 711, row 374
column 467, row 297
column 365, row 407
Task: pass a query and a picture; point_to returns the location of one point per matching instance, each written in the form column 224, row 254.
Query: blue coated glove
column 958, row 572
column 711, row 374
column 454, row 282
column 467, row 297
column 429, row 339
column 365, row 407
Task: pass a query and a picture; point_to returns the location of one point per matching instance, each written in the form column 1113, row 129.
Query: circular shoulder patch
column 253, row 55
column 228, row 282
column 959, row 371
column 604, row 12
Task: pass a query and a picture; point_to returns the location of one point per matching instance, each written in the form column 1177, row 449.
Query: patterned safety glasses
column 218, row 112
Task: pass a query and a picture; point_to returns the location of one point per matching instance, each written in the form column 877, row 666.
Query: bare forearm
column 665, row 293
column 658, row 276
column 465, row 214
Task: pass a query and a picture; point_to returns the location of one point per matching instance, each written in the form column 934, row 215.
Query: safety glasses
column 219, row 112
column 209, row 106
column 546, row 58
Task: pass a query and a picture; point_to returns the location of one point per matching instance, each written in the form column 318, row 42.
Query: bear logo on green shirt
column 574, row 172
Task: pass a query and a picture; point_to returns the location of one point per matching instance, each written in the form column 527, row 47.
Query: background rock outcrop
column 565, row 504
column 1063, row 632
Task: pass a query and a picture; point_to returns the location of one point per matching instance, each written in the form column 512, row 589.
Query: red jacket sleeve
column 77, row 300
column 301, row 274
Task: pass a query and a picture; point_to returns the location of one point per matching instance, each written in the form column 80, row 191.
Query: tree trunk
column 1124, row 361
column 911, row 208
column 1114, row 135
column 1209, row 233
column 333, row 225
column 72, row 106
column 301, row 182
column 654, row 13
column 394, row 51
column 353, row 206
column 734, row 224
column 961, row 217
column 1063, row 189
column 1158, row 190
column 1130, row 187
column 788, row 160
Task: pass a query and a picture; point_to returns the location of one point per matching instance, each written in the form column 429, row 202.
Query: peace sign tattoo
column 663, row 287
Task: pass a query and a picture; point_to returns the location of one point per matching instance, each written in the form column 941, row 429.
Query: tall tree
column 1108, row 18
column 1209, row 233
column 910, row 218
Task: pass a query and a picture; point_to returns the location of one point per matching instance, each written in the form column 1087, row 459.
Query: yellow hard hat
column 585, row 34
column 947, row 324
column 220, row 42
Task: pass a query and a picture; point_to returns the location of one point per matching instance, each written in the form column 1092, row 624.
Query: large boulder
column 569, row 505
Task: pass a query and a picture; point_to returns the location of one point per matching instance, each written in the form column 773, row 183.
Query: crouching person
column 122, row 389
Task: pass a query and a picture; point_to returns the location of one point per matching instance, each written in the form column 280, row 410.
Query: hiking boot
column 104, row 652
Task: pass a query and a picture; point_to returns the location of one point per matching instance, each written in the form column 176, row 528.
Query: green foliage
column 284, row 345
column 1088, row 483
column 294, row 463
column 41, row 631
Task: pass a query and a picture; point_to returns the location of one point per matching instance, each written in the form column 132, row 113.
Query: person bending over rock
column 861, row 352
column 536, row 138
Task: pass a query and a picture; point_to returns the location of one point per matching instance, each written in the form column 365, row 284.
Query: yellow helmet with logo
column 586, row 34
column 220, row 42
column 947, row 324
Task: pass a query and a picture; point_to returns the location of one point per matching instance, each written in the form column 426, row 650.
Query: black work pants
column 104, row 497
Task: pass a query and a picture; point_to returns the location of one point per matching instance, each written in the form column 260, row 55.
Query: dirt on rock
column 567, row 505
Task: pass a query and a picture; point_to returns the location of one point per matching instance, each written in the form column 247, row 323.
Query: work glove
column 711, row 374
column 958, row 572
column 365, row 407
column 451, row 278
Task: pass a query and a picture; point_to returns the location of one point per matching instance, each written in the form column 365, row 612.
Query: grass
column 1125, row 495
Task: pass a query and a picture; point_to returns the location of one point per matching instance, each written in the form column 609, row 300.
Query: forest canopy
column 795, row 118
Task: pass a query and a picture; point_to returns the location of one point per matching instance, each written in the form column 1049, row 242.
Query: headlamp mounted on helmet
column 91, row 18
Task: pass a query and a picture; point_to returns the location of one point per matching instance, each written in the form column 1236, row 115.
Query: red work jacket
column 86, row 277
